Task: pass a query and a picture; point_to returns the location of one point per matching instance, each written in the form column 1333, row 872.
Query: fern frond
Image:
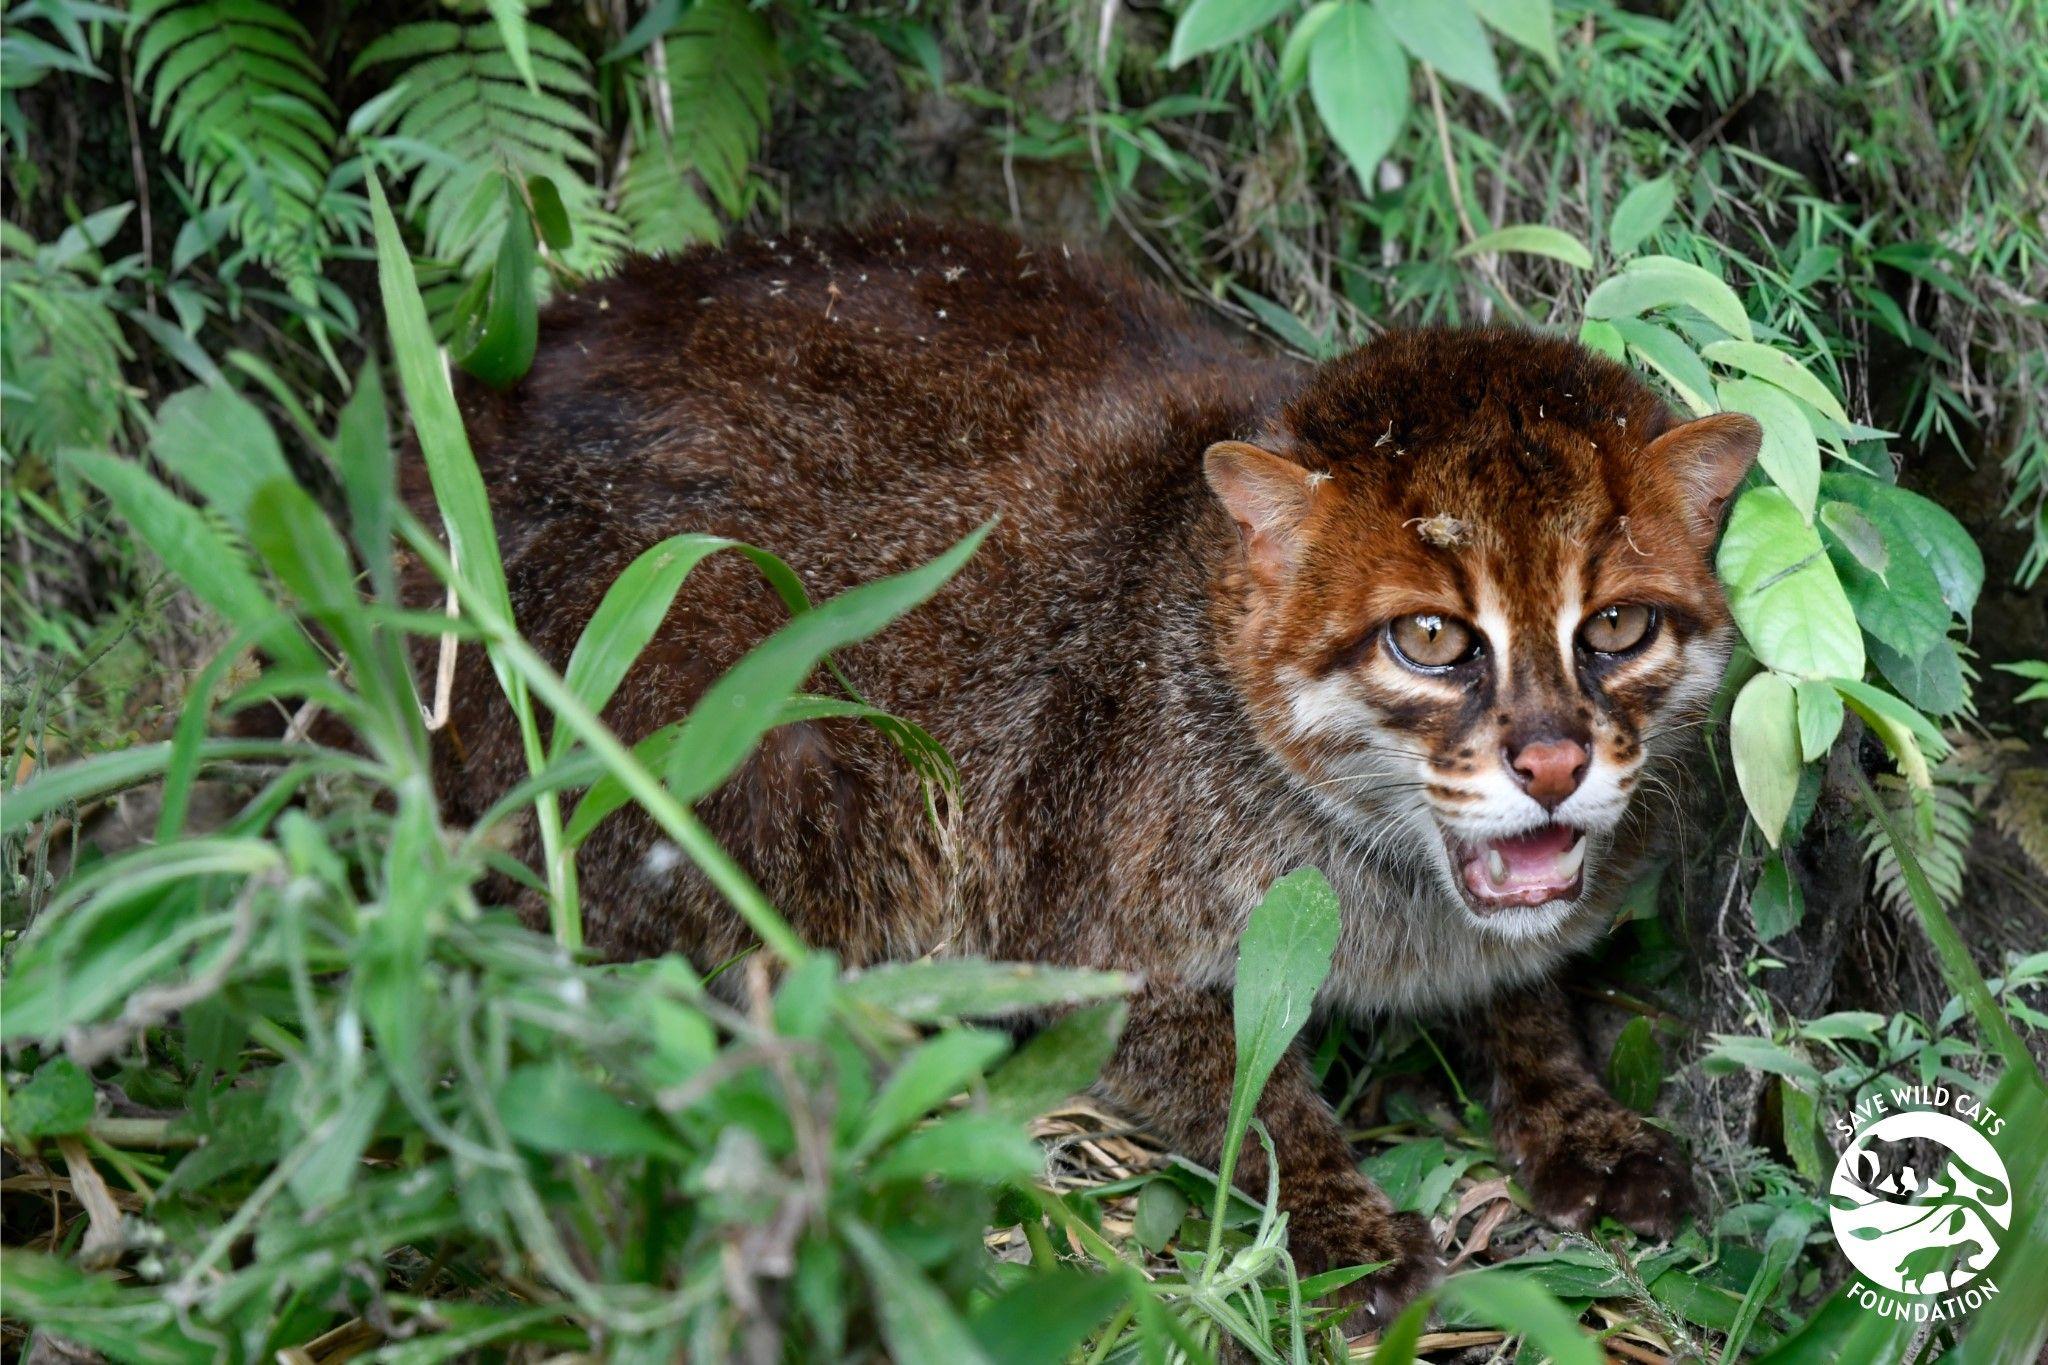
column 719, row 61
column 464, row 105
column 238, row 97
column 61, row 346
column 1938, row 820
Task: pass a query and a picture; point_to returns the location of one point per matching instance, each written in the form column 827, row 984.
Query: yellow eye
column 1615, row 629
column 1427, row 640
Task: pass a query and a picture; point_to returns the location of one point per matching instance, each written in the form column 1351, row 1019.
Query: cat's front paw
column 1336, row 1236
column 1608, row 1163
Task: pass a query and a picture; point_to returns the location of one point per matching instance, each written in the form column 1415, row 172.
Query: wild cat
column 1426, row 617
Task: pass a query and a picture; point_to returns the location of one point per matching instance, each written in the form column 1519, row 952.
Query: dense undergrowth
column 282, row 1083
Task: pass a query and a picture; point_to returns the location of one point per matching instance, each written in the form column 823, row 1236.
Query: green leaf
column 745, row 702
column 1532, row 239
column 1161, row 1210
column 58, row 1099
column 1359, row 82
column 1528, row 22
column 1932, row 681
column 1641, row 212
column 508, row 335
column 1042, row 1320
column 1775, row 367
column 1300, row 38
column 1669, row 355
column 1447, row 35
column 1058, row 1061
column 1521, row 1307
column 933, row 1073
column 1783, row 591
column 202, row 559
column 1736, row 1052
column 1282, row 959
column 1777, row 904
column 967, row 988
column 968, row 1148
column 549, row 1107
column 549, row 213
column 1763, row 733
column 1903, row 607
column 444, row 445
column 337, row 1145
column 917, row 1321
column 219, row 443
column 1936, row 537
column 1652, row 282
column 1635, row 1068
column 1605, row 338
column 1820, row 717
column 1790, row 453
column 362, row 454
column 1207, row 25
column 625, row 620
column 1858, row 535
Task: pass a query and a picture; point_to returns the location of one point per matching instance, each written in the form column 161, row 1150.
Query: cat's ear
column 1267, row 497
column 1708, row 456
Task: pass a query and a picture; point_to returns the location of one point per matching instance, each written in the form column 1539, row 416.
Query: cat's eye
column 1618, row 628
column 1429, row 641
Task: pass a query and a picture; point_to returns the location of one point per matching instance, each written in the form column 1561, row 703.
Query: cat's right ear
column 1267, row 497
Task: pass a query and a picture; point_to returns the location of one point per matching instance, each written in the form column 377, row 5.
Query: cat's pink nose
column 1550, row 769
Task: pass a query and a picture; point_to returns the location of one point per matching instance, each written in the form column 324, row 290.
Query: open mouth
column 1535, row 868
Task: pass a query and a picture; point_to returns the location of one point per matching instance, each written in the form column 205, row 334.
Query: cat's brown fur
column 1164, row 691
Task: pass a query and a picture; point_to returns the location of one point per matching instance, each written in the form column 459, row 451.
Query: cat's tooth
column 1574, row 858
column 1496, row 867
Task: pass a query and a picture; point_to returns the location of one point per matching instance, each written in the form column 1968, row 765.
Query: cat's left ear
column 1709, row 456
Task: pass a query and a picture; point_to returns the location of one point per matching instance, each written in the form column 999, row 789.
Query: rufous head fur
column 1474, row 605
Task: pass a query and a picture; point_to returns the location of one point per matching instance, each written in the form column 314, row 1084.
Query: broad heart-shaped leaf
column 1669, row 355
column 1206, row 25
column 1528, row 22
column 1641, row 212
column 1775, row 367
column 1790, row 453
column 1763, row 733
column 1635, row 1068
column 746, row 701
column 1651, row 282
column 1359, row 82
column 1783, row 591
column 1938, row 538
column 1903, row 607
column 1858, row 534
column 1776, row 904
column 1820, row 717
column 1532, row 239
column 1447, row 35
column 1932, row 681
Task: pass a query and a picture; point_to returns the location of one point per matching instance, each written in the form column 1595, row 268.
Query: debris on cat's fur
column 1630, row 537
column 1317, row 478
column 1442, row 530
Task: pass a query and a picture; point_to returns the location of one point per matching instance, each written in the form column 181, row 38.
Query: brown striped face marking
column 1479, row 607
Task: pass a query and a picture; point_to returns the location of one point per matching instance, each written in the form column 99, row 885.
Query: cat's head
column 1475, row 603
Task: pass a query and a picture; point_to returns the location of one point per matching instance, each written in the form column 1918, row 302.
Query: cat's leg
column 1579, row 1152
column 1173, row 1069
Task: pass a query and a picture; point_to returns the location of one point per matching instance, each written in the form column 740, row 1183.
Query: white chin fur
column 1522, row 922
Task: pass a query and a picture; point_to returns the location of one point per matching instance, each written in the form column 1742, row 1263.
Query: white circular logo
column 1918, row 1231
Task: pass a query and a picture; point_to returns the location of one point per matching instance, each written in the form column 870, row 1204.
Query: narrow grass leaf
column 1532, row 239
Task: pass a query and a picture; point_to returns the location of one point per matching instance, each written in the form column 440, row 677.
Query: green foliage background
column 291, row 1086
